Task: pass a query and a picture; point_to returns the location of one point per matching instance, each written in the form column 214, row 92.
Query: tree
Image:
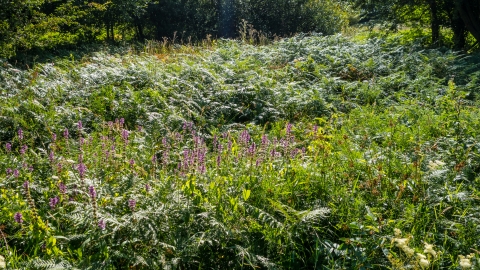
column 458, row 15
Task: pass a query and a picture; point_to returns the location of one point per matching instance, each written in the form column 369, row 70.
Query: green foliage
column 303, row 154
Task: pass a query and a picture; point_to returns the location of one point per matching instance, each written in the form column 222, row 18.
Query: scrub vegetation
column 310, row 152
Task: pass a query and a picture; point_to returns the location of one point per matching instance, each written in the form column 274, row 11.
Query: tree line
column 462, row 17
column 27, row 25
column 47, row 24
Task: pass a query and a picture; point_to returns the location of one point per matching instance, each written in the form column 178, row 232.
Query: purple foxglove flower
column 65, row 133
column 80, row 125
column 8, row 146
column 147, row 187
column 122, row 121
column 18, row 217
column 26, row 184
column 53, row 202
column 110, row 124
column 315, row 129
column 92, row 192
column 132, row 162
column 16, row 173
column 154, row 158
column 62, row 187
column 131, row 204
column 54, row 137
column 9, row 171
column 102, row 224
column 139, row 128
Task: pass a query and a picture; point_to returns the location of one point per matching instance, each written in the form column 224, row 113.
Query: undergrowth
column 312, row 152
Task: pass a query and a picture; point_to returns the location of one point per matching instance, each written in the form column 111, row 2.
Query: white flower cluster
column 465, row 262
column 402, row 243
column 423, row 259
column 2, row 262
column 433, row 165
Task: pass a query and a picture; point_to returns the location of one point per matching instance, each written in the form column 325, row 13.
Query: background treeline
column 460, row 17
column 47, row 24
column 27, row 25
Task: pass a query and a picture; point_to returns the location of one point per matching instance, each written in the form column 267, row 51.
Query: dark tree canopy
column 48, row 24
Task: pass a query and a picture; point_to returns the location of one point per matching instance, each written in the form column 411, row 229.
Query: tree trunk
column 107, row 27
column 435, row 22
column 458, row 27
column 469, row 11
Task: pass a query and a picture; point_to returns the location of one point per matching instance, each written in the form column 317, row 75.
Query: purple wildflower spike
column 8, row 146
column 81, row 169
column 53, row 202
column 131, row 204
column 18, row 217
column 102, row 224
column 92, row 192
column 23, row 150
column 80, row 125
column 16, row 173
column 65, row 133
column 51, row 156
column 147, row 187
column 125, row 134
column 54, row 137
column 289, row 128
column 62, row 187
